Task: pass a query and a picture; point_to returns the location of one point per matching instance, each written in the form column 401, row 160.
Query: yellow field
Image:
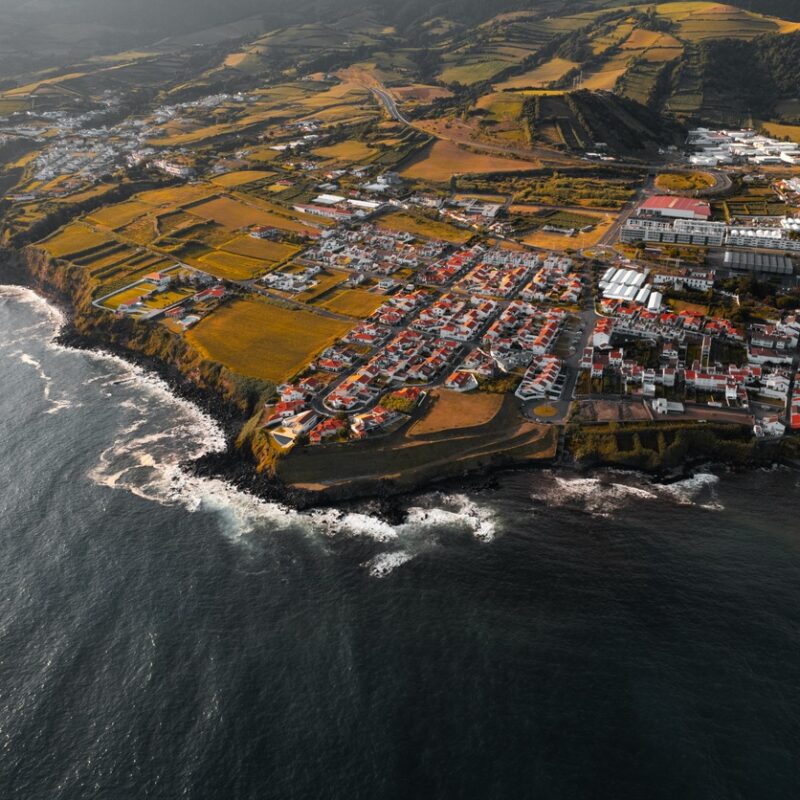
column 129, row 295
column 557, row 241
column 608, row 74
column 177, row 195
column 235, row 215
column 501, row 105
column 120, row 215
column 75, row 238
column 262, row 154
column 117, row 256
column 349, row 151
column 426, row 228
column 30, row 87
column 353, row 302
column 263, row 249
column 259, row 339
column 420, row 92
column 444, row 159
column 453, row 410
column 240, row 178
column 231, row 266
column 780, row 131
column 325, row 282
column 546, row 73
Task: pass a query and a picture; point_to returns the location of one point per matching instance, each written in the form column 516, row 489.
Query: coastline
column 232, row 464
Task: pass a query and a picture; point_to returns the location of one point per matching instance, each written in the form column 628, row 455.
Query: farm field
column 349, row 151
column 75, row 238
column 782, row 131
column 542, row 76
column 454, row 410
column 240, row 178
column 353, row 302
column 120, row 215
column 235, row 215
column 263, row 249
column 258, row 339
column 443, row 159
column 177, row 195
column 232, row 267
column 420, row 92
column 424, row 227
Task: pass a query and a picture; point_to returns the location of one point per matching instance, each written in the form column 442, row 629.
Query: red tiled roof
column 671, row 203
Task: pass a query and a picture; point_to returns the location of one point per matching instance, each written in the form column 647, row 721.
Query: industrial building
column 761, row 263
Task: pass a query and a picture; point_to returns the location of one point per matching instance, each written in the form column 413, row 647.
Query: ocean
column 544, row 636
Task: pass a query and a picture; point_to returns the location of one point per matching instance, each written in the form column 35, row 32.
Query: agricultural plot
column 119, row 215
column 235, row 215
column 353, row 302
column 443, row 159
column 420, row 93
column 230, row 266
column 346, row 152
column 703, row 20
column 262, row 249
column 782, row 131
column 424, row 227
column 259, row 339
column 73, row 240
column 541, row 77
column 240, row 178
column 177, row 195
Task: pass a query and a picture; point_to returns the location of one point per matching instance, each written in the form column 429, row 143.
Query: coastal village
column 360, row 292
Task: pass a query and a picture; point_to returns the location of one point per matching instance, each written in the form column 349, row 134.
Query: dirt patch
column 452, row 411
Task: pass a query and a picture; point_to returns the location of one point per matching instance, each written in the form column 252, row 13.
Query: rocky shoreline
column 233, row 465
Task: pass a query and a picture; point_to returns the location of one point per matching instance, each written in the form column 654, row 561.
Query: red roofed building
column 675, row 208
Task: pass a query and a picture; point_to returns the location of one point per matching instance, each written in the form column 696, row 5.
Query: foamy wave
column 146, row 461
column 56, row 404
column 386, row 563
column 21, row 294
column 689, row 491
column 602, row 496
column 455, row 511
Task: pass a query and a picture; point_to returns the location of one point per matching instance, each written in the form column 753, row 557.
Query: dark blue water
column 558, row 637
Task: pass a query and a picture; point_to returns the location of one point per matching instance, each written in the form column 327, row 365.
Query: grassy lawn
column 262, row 340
